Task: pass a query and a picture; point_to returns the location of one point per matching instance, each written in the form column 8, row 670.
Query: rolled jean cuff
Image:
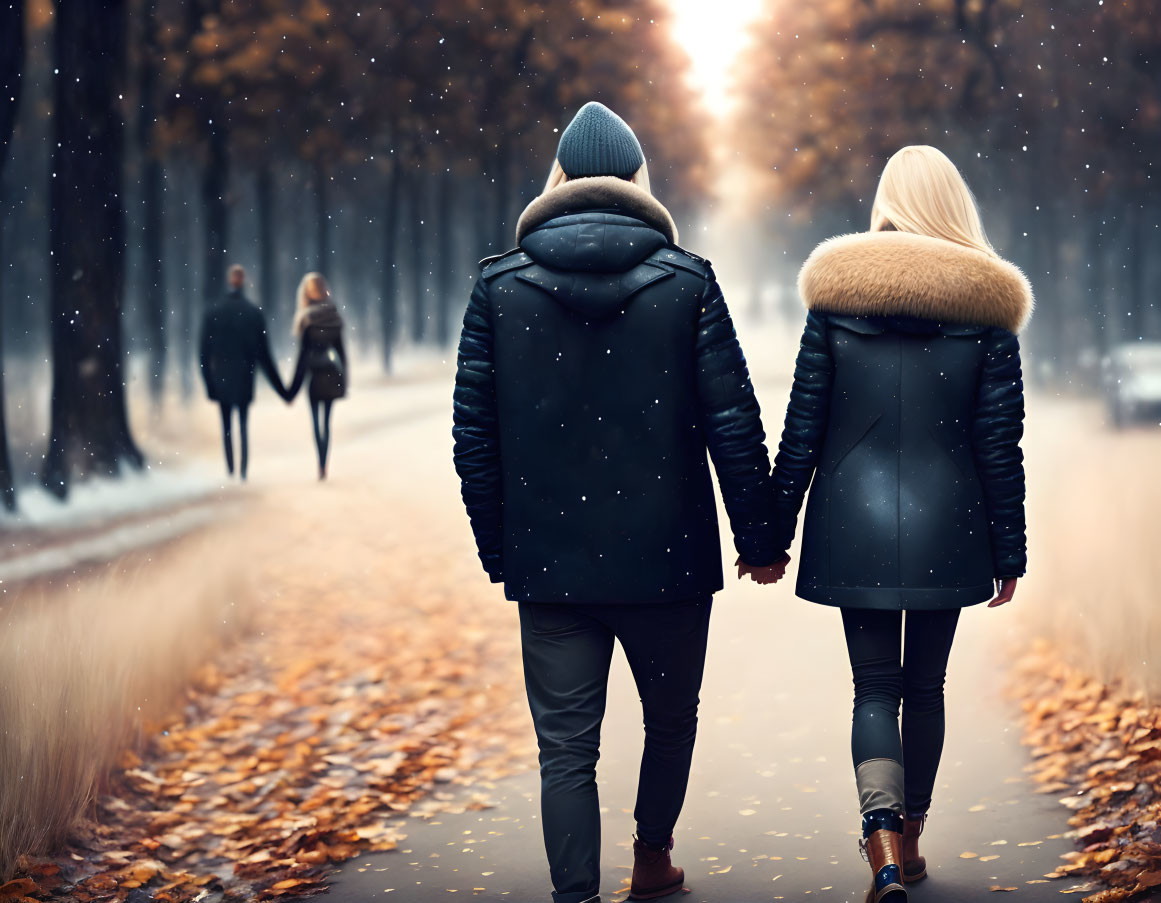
column 576, row 898
column 880, row 785
column 655, row 840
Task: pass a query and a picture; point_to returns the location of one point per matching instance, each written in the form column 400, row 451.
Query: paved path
column 771, row 808
column 771, row 812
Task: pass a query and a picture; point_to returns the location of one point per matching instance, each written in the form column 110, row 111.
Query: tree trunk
column 11, row 66
column 481, row 216
column 322, row 218
column 503, row 235
column 414, row 228
column 215, row 177
column 90, row 429
column 267, row 267
column 445, row 258
column 358, row 255
column 215, row 213
column 184, row 241
column 301, row 194
column 153, row 230
column 1135, row 287
column 389, row 300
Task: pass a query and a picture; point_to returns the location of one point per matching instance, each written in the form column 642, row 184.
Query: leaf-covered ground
column 1099, row 747
column 379, row 685
column 378, row 671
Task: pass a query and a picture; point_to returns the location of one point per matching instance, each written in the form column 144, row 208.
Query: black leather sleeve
column 299, row 377
column 205, row 346
column 733, row 429
column 476, row 432
column 265, row 358
column 996, row 433
column 805, row 428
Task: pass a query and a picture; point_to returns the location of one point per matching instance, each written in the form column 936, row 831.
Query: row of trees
column 389, row 145
column 1052, row 110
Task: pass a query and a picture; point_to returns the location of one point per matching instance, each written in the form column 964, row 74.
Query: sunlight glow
column 713, row 32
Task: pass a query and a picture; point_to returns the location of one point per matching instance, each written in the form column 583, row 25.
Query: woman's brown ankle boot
column 882, row 846
column 654, row 875
column 914, row 865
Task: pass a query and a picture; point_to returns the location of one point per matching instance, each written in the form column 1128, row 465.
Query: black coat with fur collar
column 906, row 412
column 597, row 364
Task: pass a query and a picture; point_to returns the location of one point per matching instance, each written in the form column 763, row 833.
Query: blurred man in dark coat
column 233, row 342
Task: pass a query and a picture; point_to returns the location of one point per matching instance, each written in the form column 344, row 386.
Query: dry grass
column 82, row 665
column 1094, row 585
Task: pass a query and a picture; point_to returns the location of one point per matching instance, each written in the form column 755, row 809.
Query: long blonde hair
column 922, row 192
column 557, row 177
column 303, row 300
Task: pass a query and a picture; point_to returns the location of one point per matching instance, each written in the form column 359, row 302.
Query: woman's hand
column 1005, row 590
column 770, row 573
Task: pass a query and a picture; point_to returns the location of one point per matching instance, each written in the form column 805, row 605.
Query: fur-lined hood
column 597, row 193
column 902, row 274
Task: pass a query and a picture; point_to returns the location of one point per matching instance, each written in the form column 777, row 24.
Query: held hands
column 1005, row 590
column 770, row 573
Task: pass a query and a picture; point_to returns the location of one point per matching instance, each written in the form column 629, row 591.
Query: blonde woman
column 321, row 358
column 907, row 412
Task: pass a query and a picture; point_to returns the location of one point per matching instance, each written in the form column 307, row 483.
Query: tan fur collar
column 595, row 193
column 899, row 273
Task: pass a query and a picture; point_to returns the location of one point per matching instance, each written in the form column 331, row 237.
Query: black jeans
column 888, row 671
column 243, row 435
column 320, row 419
column 567, row 652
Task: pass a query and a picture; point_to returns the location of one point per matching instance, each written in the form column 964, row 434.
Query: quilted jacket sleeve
column 996, row 433
column 205, row 349
column 265, row 358
column 476, row 432
column 733, row 429
column 805, row 429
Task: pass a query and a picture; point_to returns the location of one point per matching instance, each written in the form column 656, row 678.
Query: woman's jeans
column 887, row 670
column 567, row 652
column 320, row 419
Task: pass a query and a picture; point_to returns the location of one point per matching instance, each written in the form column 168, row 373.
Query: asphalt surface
column 771, row 812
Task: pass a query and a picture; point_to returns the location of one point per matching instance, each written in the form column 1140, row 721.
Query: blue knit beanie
column 598, row 142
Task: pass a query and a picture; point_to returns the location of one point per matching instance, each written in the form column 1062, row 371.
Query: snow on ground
column 104, row 499
column 107, row 544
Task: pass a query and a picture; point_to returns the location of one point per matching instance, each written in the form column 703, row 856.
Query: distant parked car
column 1132, row 378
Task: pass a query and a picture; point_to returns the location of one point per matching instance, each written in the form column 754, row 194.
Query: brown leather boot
column 914, row 865
column 653, row 874
column 882, row 847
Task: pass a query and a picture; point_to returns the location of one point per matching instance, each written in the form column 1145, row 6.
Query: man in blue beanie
column 597, row 365
column 598, row 142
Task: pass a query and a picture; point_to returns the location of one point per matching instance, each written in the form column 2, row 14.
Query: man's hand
column 771, row 573
column 1005, row 590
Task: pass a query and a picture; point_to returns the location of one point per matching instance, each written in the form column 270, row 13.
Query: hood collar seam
column 597, row 192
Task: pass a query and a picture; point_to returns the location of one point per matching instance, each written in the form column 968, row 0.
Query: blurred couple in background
column 597, row 366
column 234, row 343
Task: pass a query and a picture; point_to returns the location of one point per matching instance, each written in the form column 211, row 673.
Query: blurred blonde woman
column 907, row 412
column 321, row 358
